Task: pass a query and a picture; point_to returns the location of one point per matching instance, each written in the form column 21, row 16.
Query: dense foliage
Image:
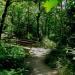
column 50, row 22
column 12, row 59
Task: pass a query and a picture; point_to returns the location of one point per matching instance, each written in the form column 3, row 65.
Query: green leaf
column 49, row 4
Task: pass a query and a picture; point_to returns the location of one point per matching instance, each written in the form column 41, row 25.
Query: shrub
column 12, row 56
column 48, row 43
column 14, row 60
column 58, row 58
column 64, row 67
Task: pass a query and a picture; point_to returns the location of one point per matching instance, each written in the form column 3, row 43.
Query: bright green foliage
column 49, row 4
column 2, row 3
column 12, row 51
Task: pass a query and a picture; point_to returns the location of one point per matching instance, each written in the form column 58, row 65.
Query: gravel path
column 39, row 68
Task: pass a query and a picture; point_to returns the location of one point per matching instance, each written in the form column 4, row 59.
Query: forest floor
column 38, row 65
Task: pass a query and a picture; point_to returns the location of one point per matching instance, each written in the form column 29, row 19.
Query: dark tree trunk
column 38, row 17
column 3, row 16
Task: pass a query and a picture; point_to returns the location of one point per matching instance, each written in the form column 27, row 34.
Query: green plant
column 48, row 43
column 12, row 56
column 13, row 60
column 64, row 67
column 11, row 72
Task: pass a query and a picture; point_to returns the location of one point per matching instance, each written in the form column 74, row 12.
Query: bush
column 14, row 60
column 63, row 61
column 48, row 43
column 64, row 67
column 12, row 56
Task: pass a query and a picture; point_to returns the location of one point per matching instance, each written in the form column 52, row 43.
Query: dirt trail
column 39, row 68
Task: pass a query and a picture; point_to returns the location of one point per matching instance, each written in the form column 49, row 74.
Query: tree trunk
column 3, row 16
column 38, row 17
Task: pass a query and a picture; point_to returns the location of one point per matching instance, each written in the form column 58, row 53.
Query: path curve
column 39, row 68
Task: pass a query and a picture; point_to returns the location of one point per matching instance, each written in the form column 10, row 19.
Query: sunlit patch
column 49, row 4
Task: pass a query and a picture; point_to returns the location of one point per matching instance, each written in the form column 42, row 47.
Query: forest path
column 39, row 68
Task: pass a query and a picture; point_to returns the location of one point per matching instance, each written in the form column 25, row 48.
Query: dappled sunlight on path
column 39, row 52
column 39, row 68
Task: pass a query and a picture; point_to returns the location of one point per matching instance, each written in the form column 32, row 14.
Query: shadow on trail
column 37, row 62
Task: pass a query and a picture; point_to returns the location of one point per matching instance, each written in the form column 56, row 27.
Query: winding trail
column 39, row 68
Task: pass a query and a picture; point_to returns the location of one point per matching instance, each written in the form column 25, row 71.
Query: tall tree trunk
column 38, row 17
column 3, row 16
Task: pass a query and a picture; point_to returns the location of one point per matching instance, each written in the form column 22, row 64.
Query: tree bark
column 3, row 16
column 38, row 17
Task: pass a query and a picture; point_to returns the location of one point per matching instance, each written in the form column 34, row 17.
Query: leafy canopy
column 49, row 4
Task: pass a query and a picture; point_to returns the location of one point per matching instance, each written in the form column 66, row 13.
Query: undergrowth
column 13, row 60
